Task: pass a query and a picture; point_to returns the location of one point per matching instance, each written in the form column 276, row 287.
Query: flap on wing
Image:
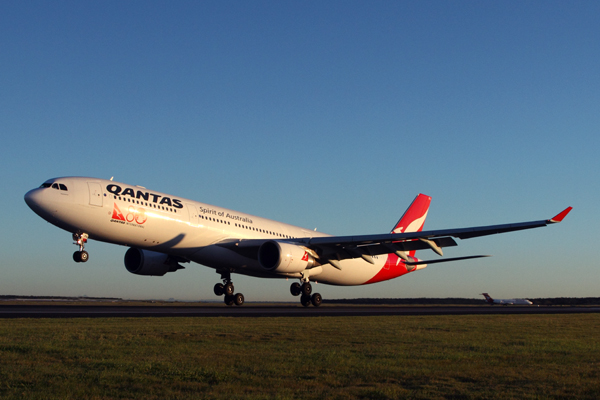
column 407, row 245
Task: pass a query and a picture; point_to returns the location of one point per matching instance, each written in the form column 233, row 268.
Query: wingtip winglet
column 559, row 217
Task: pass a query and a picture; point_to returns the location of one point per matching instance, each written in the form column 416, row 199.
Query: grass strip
column 383, row 357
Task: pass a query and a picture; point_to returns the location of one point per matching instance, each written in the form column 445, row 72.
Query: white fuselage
column 509, row 302
column 137, row 217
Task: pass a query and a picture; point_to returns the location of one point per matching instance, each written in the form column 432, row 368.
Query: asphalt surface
column 269, row 310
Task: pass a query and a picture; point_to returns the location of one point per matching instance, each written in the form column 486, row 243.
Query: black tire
column 229, row 300
column 238, row 299
column 305, row 300
column 77, row 256
column 218, row 289
column 306, row 289
column 316, row 299
column 84, row 256
column 295, row 289
column 228, row 289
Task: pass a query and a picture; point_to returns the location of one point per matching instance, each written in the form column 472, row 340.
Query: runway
column 268, row 310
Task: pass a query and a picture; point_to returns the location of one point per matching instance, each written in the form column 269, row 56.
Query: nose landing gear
column 226, row 288
column 80, row 240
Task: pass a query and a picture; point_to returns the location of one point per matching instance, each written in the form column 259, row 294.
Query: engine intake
column 145, row 262
column 283, row 257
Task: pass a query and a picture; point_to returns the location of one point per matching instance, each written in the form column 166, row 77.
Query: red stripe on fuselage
column 393, row 268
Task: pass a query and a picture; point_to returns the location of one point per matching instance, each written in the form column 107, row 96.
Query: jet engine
column 145, row 262
column 284, row 257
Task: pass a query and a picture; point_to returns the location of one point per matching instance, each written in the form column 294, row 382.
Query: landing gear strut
column 80, row 240
column 226, row 288
column 304, row 291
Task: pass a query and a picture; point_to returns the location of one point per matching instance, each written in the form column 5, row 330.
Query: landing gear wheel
column 80, row 240
column 306, row 289
column 228, row 289
column 238, row 299
column 219, row 290
column 316, row 299
column 295, row 289
column 229, row 300
column 81, row 256
column 305, row 300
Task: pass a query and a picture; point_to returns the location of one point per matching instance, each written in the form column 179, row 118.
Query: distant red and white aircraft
column 163, row 231
column 506, row 302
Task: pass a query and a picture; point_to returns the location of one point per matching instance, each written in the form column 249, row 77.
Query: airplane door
column 193, row 211
column 95, row 194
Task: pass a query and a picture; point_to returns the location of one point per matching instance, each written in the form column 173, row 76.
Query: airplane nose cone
column 33, row 198
column 29, row 198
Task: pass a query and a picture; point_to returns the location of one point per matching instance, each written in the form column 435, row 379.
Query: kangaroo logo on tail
column 414, row 217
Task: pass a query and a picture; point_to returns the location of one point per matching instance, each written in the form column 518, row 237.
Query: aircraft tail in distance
column 488, row 298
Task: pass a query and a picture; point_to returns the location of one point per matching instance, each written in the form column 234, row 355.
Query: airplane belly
column 354, row 271
column 221, row 258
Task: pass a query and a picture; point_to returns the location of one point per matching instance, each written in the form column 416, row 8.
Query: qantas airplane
column 506, row 302
column 163, row 231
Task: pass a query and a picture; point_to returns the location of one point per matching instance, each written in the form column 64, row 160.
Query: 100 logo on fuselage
column 134, row 214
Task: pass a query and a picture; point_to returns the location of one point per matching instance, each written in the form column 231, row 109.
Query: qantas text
column 167, row 201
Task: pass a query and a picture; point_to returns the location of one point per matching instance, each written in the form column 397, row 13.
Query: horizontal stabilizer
column 421, row 262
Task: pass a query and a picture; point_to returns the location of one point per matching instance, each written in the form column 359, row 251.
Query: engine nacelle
column 284, row 257
column 145, row 262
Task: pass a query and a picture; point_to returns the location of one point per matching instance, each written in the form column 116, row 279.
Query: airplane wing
column 336, row 248
column 436, row 236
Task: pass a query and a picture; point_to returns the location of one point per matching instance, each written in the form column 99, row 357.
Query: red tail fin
column 412, row 221
column 414, row 217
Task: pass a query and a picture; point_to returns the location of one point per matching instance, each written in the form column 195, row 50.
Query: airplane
column 163, row 231
column 506, row 302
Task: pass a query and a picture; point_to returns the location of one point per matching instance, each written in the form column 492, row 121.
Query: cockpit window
column 55, row 185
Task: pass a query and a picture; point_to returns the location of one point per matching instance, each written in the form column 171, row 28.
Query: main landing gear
column 80, row 240
column 226, row 288
column 304, row 291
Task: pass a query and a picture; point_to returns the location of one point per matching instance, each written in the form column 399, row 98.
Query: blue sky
column 327, row 114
